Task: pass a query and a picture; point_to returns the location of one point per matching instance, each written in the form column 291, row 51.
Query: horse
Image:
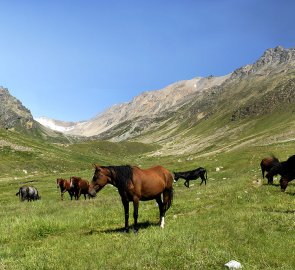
column 79, row 186
column 287, row 171
column 28, row 193
column 192, row 175
column 135, row 184
column 64, row 186
column 266, row 165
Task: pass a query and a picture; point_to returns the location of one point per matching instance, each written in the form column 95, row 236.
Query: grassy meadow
column 236, row 216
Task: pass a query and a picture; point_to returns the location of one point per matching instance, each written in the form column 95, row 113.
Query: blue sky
column 70, row 60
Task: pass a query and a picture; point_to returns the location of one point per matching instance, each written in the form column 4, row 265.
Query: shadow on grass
column 30, row 181
column 141, row 225
column 273, row 184
column 280, row 211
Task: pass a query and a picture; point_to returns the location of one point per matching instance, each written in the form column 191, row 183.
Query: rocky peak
column 12, row 112
column 276, row 56
column 275, row 59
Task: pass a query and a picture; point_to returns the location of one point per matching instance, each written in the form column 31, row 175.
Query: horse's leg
column 79, row 193
column 186, row 183
column 126, row 211
column 269, row 178
column 162, row 212
column 203, row 179
column 135, row 213
column 167, row 201
column 62, row 194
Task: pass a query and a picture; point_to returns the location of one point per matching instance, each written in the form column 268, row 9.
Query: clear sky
column 71, row 59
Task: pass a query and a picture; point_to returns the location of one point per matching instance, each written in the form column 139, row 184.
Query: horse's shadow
column 141, row 225
column 273, row 184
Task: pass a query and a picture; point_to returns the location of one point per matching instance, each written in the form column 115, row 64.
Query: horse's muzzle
column 92, row 192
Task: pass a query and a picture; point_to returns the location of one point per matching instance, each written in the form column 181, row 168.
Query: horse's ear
column 95, row 166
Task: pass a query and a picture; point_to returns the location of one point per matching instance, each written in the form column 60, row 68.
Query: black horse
column 287, row 171
column 192, row 175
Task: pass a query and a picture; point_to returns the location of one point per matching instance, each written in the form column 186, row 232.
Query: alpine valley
column 224, row 124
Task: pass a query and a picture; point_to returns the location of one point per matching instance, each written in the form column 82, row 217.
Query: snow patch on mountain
column 55, row 124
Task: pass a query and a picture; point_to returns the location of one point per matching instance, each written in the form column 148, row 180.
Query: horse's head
column 100, row 178
column 283, row 183
column 176, row 177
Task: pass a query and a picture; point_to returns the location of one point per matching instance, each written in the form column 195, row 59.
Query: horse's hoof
column 135, row 231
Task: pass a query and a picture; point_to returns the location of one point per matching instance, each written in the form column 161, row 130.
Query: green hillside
column 235, row 216
column 23, row 155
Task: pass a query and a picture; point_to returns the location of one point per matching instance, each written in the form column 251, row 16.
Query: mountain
column 250, row 91
column 147, row 105
column 14, row 116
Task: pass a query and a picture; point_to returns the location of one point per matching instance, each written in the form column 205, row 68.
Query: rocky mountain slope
column 254, row 104
column 14, row 116
column 12, row 113
column 147, row 105
column 250, row 91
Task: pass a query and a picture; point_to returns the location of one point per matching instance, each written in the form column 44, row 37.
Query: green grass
column 236, row 216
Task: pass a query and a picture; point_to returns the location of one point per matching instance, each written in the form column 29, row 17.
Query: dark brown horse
column 64, row 186
column 287, row 171
column 135, row 184
column 79, row 186
column 266, row 165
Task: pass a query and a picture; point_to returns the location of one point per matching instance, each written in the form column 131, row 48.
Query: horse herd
column 135, row 184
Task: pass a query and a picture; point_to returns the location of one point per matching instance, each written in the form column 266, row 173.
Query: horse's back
column 157, row 175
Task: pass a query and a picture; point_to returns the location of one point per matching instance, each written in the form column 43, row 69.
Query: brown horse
column 64, row 186
column 135, row 184
column 79, row 186
column 266, row 165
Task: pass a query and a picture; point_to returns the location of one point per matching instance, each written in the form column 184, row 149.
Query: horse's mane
column 122, row 175
column 76, row 177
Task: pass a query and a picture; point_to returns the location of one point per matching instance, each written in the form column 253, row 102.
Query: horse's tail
column 170, row 199
column 16, row 194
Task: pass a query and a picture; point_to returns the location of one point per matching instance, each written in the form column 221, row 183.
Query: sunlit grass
column 236, row 216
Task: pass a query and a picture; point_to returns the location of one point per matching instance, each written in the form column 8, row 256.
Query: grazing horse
column 192, row 175
column 79, row 186
column 64, row 186
column 266, row 165
column 287, row 171
column 135, row 184
column 28, row 193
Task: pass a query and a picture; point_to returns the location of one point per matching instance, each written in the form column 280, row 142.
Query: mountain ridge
column 244, row 93
column 202, row 109
column 147, row 103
